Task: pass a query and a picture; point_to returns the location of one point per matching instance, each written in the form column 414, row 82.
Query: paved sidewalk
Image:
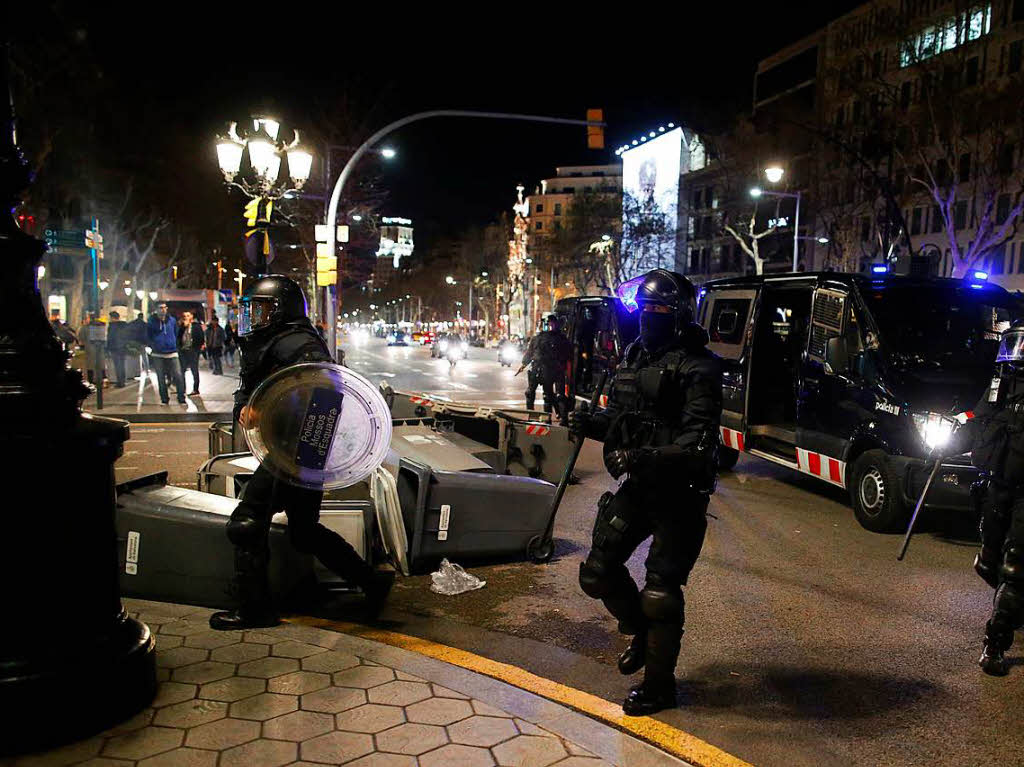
column 140, row 398
column 298, row 695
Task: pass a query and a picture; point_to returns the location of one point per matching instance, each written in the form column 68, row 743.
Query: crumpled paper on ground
column 451, row 579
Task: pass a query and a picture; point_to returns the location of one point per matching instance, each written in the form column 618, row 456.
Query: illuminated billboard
column 650, row 202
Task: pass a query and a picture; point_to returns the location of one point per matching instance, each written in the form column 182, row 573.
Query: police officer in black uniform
column 547, row 355
column 995, row 435
column 274, row 333
column 660, row 430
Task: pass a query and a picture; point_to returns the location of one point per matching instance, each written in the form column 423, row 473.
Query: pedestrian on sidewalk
column 162, row 337
column 275, row 333
column 91, row 349
column 117, row 339
column 191, row 341
column 215, row 344
column 230, row 344
column 138, row 340
column 64, row 332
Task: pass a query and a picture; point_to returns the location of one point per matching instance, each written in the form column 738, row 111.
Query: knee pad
column 1013, row 563
column 662, row 604
column 598, row 579
column 1008, row 607
column 244, row 530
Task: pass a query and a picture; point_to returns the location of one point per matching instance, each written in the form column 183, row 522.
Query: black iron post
column 72, row 662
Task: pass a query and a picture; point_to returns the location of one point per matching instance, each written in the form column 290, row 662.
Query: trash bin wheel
column 540, row 551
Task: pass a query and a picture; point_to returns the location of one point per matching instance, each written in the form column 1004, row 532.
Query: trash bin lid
column 318, row 425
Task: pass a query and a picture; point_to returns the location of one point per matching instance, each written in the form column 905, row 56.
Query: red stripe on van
column 814, row 463
column 739, row 441
column 833, row 470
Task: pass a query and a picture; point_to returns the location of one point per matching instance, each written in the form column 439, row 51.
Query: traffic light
column 595, row 133
column 326, row 262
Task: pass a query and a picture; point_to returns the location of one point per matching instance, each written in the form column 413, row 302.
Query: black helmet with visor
column 268, row 302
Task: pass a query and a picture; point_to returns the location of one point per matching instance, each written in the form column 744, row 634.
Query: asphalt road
column 806, row 642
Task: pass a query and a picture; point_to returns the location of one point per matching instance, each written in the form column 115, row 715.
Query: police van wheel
column 875, row 494
column 727, row 458
column 540, row 551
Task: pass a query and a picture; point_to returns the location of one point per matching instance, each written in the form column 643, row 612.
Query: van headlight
column 509, row 353
column 934, row 429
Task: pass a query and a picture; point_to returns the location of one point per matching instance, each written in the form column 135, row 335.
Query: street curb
column 652, row 731
column 203, row 417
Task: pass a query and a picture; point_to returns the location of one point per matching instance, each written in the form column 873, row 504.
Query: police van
column 600, row 328
column 851, row 378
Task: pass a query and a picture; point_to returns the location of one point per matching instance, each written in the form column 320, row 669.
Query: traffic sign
column 323, row 279
column 65, row 238
column 326, row 263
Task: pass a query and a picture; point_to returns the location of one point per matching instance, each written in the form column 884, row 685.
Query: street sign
column 323, row 279
column 323, row 250
column 320, row 233
column 65, row 238
column 326, row 263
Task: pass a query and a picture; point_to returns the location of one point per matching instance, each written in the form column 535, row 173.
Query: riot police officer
column 995, row 435
column 547, row 355
column 660, row 430
column 274, row 332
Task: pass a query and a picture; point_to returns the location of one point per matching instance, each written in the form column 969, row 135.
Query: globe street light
column 774, row 173
column 266, row 146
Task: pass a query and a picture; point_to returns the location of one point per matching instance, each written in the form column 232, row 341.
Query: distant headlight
column 934, row 429
column 465, row 346
column 443, row 346
column 509, row 353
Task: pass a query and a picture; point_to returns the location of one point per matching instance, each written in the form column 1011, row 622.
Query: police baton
column 917, row 509
column 541, row 547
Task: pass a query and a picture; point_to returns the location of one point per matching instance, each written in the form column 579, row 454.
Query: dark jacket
column 994, row 430
column 264, row 353
column 137, row 331
column 214, row 336
column 230, row 337
column 198, row 337
column 162, row 335
column 549, row 352
column 117, row 336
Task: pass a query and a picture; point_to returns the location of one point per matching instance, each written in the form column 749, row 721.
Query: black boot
column 654, row 694
column 377, row 591
column 993, row 659
column 632, row 658
column 255, row 608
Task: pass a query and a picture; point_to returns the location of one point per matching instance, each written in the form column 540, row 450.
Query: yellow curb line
column 666, row 737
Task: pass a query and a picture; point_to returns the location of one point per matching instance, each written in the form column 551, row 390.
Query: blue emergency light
column 879, row 268
column 981, row 276
column 627, row 293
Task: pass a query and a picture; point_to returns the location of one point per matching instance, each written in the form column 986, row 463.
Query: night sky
column 645, row 67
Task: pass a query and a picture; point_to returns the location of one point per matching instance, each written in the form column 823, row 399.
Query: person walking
column 162, row 338
column 90, row 351
column 138, row 338
column 230, row 344
column 215, row 344
column 117, row 339
column 190, row 342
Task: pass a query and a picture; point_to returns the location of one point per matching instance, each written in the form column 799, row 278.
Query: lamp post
column 774, row 174
column 265, row 147
column 88, row 655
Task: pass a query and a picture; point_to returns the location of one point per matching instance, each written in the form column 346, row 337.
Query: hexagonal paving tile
column 223, row 734
column 403, row 676
column 265, row 753
column 439, row 711
column 400, row 693
column 369, row 718
column 529, row 751
column 483, row 731
column 169, row 642
column 572, row 748
column 530, row 729
column 191, row 713
column 329, row 662
column 182, row 757
column 336, row 747
column 102, row 761
column 185, row 628
column 383, row 760
column 232, row 689
column 363, row 676
column 582, row 761
column 173, row 692
column 463, row 756
column 260, row 637
column 485, row 710
column 292, row 649
column 264, row 706
column 412, row 739
column 179, row 656
column 443, row 692
column 240, row 653
column 333, row 699
column 212, row 639
column 137, row 722
column 142, row 743
column 200, row 673
column 298, row 682
column 298, row 725
column 268, row 667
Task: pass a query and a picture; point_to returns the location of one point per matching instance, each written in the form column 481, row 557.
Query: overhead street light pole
column 332, row 211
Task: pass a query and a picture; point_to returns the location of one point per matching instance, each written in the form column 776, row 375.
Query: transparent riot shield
column 318, row 425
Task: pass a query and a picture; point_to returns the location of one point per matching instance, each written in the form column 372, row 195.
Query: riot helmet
column 270, row 301
column 665, row 300
column 1011, row 347
column 553, row 323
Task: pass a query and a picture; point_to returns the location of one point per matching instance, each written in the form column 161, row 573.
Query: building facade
column 396, row 243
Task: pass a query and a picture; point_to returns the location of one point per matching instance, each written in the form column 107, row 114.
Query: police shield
column 318, row 425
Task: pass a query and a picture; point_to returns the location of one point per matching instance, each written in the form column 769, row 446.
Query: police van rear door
column 726, row 314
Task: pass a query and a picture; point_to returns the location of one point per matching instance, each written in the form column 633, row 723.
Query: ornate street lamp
column 265, row 145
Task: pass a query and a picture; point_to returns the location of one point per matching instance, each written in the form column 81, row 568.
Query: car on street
column 852, row 379
column 509, row 353
column 398, row 338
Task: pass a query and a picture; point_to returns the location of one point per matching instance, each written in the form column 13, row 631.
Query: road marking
column 666, row 737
